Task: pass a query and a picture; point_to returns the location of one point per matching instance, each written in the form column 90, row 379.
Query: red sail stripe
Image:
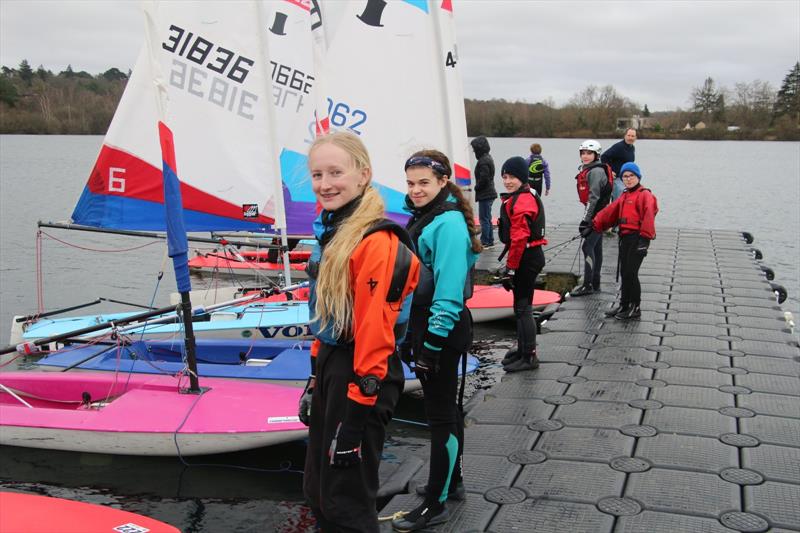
column 143, row 182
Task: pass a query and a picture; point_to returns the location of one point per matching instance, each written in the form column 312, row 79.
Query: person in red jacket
column 521, row 229
column 362, row 274
column 635, row 213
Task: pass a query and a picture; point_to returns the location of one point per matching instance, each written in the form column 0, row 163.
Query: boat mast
column 271, row 134
column 177, row 244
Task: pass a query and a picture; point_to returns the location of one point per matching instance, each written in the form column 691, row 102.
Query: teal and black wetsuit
column 440, row 318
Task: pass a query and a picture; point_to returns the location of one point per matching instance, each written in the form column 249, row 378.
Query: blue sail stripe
column 117, row 212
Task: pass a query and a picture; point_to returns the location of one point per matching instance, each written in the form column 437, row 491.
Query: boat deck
column 686, row 420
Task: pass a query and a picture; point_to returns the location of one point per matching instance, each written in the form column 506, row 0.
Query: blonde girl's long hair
column 334, row 292
column 463, row 204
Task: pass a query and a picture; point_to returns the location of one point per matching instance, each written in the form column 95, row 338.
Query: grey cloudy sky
column 653, row 52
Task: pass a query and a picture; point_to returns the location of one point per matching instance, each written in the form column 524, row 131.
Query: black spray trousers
column 629, row 263
column 525, row 276
column 343, row 500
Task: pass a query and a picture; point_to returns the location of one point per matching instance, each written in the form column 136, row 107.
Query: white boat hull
column 124, row 443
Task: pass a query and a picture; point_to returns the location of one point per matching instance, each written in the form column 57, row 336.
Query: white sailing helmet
column 591, row 145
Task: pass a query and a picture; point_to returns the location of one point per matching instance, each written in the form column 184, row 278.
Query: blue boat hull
column 274, row 361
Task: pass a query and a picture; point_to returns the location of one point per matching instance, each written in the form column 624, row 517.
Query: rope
column 11, row 360
column 109, row 250
column 577, row 252
column 560, row 244
column 284, row 466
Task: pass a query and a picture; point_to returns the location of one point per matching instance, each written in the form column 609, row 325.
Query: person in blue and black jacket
column 442, row 229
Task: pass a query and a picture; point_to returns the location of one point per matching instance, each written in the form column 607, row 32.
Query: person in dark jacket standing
column 619, row 154
column 594, row 182
column 522, row 230
column 485, row 192
column 635, row 213
column 442, row 228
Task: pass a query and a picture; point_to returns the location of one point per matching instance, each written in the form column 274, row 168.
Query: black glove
column 345, row 450
column 644, row 244
column 304, row 412
column 585, row 228
column 427, row 360
column 504, row 276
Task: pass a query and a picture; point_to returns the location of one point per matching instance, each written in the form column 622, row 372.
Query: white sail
column 386, row 71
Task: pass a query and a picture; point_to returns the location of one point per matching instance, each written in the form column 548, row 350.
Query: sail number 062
column 342, row 116
column 201, row 48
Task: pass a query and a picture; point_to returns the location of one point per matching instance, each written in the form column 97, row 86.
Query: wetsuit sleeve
column 546, row 175
column 608, row 216
column 520, row 231
column 648, row 208
column 597, row 179
column 371, row 269
column 447, row 241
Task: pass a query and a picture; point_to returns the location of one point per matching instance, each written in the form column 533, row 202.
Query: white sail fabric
column 386, row 71
column 211, row 60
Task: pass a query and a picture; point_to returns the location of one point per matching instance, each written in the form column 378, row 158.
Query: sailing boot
column 581, row 290
column 633, row 312
column 511, row 356
column 528, row 361
column 615, row 310
column 423, row 517
column 457, row 491
column 526, row 339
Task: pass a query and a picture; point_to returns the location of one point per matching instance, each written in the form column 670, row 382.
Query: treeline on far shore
column 42, row 102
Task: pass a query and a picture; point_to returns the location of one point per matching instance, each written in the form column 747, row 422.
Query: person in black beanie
column 522, row 230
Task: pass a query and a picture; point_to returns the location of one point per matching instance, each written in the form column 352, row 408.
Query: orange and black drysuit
column 634, row 212
column 359, row 378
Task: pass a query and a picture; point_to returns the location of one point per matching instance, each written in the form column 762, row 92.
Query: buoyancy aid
column 423, row 294
column 632, row 212
column 536, row 170
column 402, row 265
column 582, row 183
column 537, row 227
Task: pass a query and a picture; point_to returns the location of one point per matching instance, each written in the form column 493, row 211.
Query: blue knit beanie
column 631, row 167
column 517, row 167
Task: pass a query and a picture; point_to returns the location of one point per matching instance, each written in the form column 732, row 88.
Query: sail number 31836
column 179, row 42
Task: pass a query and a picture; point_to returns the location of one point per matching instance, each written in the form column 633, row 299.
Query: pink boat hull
column 146, row 415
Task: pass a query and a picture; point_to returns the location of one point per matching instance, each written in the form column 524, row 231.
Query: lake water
column 743, row 186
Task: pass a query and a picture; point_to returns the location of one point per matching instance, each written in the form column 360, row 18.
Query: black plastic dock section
column 687, row 420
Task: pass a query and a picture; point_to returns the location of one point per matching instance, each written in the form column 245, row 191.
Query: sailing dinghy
column 162, row 415
column 32, row 513
column 139, row 414
column 253, row 263
column 493, row 302
column 265, row 361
